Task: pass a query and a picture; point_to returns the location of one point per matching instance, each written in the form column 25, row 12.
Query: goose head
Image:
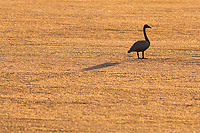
column 146, row 26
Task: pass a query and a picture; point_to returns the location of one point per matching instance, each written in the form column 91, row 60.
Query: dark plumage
column 141, row 46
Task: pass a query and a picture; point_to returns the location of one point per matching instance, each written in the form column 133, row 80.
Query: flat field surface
column 64, row 66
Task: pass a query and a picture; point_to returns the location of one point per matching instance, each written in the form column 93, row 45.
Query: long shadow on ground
column 104, row 65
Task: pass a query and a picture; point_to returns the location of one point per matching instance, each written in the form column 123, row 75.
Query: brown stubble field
column 65, row 67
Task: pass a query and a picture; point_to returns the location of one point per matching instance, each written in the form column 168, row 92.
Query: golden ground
column 65, row 67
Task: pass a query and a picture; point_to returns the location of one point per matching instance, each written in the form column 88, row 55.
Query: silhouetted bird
column 141, row 46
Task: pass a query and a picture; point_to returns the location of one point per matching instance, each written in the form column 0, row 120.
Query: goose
column 141, row 46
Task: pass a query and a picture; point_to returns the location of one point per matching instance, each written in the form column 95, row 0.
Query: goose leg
column 138, row 55
column 142, row 54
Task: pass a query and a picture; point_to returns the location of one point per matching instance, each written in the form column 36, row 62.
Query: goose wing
column 139, row 46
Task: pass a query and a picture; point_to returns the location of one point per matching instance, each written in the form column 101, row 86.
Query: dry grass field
column 64, row 66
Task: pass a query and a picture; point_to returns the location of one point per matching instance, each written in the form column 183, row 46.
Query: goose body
column 141, row 46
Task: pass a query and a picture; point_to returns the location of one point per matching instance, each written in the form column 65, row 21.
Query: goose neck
column 145, row 35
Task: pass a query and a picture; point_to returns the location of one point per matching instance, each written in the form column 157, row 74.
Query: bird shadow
column 104, row 65
column 142, row 58
column 137, row 58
